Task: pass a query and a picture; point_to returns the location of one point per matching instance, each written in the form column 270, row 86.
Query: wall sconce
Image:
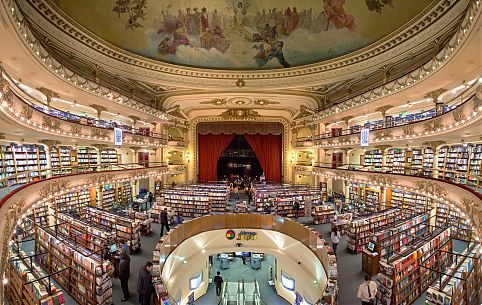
column 188, row 156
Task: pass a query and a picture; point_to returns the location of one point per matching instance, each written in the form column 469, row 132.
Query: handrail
column 420, row 171
column 45, row 173
column 456, row 102
column 35, row 104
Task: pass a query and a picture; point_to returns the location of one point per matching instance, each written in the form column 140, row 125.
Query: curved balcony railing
column 471, row 181
column 463, row 105
column 23, row 109
column 307, row 236
column 12, row 182
column 462, row 116
column 464, row 199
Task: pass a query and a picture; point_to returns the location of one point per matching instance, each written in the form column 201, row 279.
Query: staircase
column 241, row 293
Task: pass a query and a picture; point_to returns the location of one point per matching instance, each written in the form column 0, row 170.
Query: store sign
column 242, row 235
column 117, row 136
column 365, row 137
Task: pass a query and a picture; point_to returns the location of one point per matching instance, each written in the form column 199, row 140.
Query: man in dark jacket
column 151, row 200
column 164, row 221
column 145, row 288
column 218, row 281
column 124, row 273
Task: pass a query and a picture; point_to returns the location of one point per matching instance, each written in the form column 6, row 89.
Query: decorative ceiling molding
column 240, row 114
column 215, row 102
column 435, row 94
column 264, row 102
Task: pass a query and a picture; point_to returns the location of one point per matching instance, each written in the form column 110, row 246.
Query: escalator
column 241, row 293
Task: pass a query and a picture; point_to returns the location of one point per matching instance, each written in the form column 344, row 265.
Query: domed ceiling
column 242, row 35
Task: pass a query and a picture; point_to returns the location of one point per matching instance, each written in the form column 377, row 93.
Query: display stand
column 323, row 214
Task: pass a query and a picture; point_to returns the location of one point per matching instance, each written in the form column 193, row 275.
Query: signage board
column 242, row 235
column 117, row 136
column 365, row 137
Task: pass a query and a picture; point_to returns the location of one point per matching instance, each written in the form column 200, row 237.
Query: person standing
column 151, row 200
column 145, row 288
column 218, row 281
column 296, row 208
column 163, row 219
column 124, row 273
column 236, row 191
column 367, row 291
column 335, row 238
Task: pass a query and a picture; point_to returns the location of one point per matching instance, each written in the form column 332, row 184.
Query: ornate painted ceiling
column 241, row 35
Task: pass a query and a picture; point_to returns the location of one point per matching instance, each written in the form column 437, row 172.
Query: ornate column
column 99, row 109
column 383, row 148
column 383, row 110
column 346, row 119
column 49, row 94
column 434, row 145
column 346, row 155
column 135, row 119
column 434, row 95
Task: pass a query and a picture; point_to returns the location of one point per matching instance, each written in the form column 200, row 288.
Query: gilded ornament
column 435, row 94
column 264, row 102
column 408, row 130
column 216, row 102
column 382, row 179
column 383, row 134
column 53, row 187
column 50, row 122
column 458, row 114
column 27, row 111
column 433, row 125
column 239, row 113
column 75, row 129
column 430, row 187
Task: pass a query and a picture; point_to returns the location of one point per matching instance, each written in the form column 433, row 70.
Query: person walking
column 218, row 281
column 151, row 200
column 163, row 220
column 124, row 273
column 145, row 288
column 236, row 191
column 367, row 291
column 335, row 238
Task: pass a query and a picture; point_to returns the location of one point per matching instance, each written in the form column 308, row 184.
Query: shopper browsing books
column 145, row 288
column 335, row 238
column 124, row 273
column 163, row 220
column 367, row 291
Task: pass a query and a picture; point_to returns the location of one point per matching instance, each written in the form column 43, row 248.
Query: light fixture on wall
column 188, row 156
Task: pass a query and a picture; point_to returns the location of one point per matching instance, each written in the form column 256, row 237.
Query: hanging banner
column 365, row 137
column 117, row 136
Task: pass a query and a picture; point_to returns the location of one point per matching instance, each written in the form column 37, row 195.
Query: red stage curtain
column 211, row 147
column 268, row 149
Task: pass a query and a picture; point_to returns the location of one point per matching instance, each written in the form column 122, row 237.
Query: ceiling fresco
column 241, row 35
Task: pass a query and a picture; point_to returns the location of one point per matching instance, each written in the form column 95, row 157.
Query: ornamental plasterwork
column 50, row 122
column 240, row 114
column 99, row 133
column 99, row 178
column 430, row 187
column 344, row 175
column 382, row 179
column 433, row 125
column 383, row 134
column 433, row 144
column 75, row 129
column 408, row 130
column 27, row 111
column 435, row 94
column 49, row 94
column 53, row 187
column 458, row 114
column 473, row 211
column 264, row 102
column 12, row 216
column 215, row 102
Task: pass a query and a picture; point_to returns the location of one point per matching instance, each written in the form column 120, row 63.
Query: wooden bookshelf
column 87, row 280
column 323, row 214
column 18, row 158
column 61, row 158
column 373, row 158
column 108, row 156
column 361, row 229
column 28, row 284
column 401, row 279
column 461, row 282
column 124, row 227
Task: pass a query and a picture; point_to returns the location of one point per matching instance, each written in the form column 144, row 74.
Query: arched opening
column 238, row 160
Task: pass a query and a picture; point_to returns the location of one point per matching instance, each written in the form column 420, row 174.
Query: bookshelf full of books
column 409, row 202
column 106, row 197
column 364, row 196
column 323, row 214
column 87, row 280
column 361, row 229
column 74, row 202
column 108, row 156
column 460, row 283
column 18, row 159
column 87, row 158
column 125, row 193
column 374, row 159
column 449, row 217
column 28, row 283
column 460, row 163
column 61, row 160
column 87, row 234
column 396, row 160
column 126, row 228
column 405, row 275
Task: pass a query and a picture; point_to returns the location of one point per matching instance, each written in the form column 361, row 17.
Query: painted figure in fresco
column 275, row 50
column 216, row 21
column 197, row 22
column 214, row 38
column 204, row 19
column 240, row 13
column 335, row 11
column 377, row 5
column 190, row 26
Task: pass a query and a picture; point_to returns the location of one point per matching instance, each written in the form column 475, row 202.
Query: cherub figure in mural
column 335, row 12
column 377, row 5
column 172, row 29
column 134, row 8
